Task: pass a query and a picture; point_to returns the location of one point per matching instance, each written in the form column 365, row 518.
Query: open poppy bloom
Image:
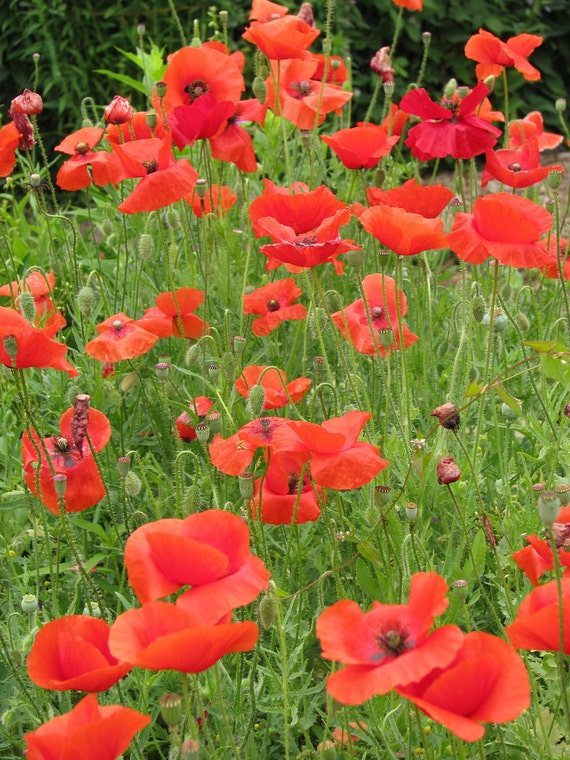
column 70, row 455
column 338, row 460
column 174, row 315
column 203, row 118
column 208, row 551
column 361, row 147
column 85, row 165
column 404, row 233
column 233, row 455
column 532, row 126
column 186, row 425
column 120, row 337
column 537, row 624
column 89, row 731
column 504, row 226
column 278, row 392
column 448, row 128
column 390, row 646
column 274, row 303
column 492, row 54
column 9, row 139
column 537, row 559
column 218, row 200
column 381, row 294
column 234, row 143
column 72, row 652
column 427, row 200
column 486, row 682
column 516, row 168
column 282, row 38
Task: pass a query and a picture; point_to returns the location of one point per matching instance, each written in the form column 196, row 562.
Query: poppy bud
column 10, row 346
column 508, row 413
column 478, row 308
column 426, row 39
column 246, row 485
column 27, row 306
column 60, row 484
column 192, row 355
column 171, row 709
column 28, row 103
column 92, row 609
column 133, row 484
column 123, row 466
column 267, row 611
column 145, row 245
column 229, row 366
column 306, row 14
column 560, row 105
column 548, row 507
column 86, row 301
column 522, row 321
column 379, row 177
column 35, row 181
column 447, row 471
column 119, row 111
column 29, row 603
column 450, row 89
column 462, row 91
column 447, row 416
column 256, row 400
column 355, row 259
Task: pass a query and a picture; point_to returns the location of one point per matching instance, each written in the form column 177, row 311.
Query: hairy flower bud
column 133, row 484
column 267, row 610
column 256, row 400
column 86, row 301
column 27, row 306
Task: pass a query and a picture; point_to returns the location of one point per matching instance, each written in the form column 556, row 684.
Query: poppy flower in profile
column 233, row 143
column 72, row 652
column 537, row 559
column 71, row 455
column 208, row 551
column 282, row 38
column 551, row 269
column 218, row 200
column 9, row 139
column 86, row 165
column 404, row 233
column 537, row 624
column 492, row 54
column 278, row 392
column 174, row 315
column 89, row 731
column 381, row 294
column 338, row 460
column 390, row 646
column 186, row 425
column 448, row 128
column 532, row 126
column 487, row 682
column 274, row 303
column 516, row 168
column 361, row 147
column 427, row 200
column 504, row 226
column 120, row 337
column 233, row 455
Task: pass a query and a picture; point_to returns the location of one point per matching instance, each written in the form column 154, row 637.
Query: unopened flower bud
column 92, row 609
column 35, row 181
column 145, row 246
column 27, row 306
column 560, row 105
column 508, row 413
column 228, row 363
column 86, row 301
column 548, row 506
column 246, row 485
column 267, row 610
column 447, row 415
column 256, row 400
column 259, row 89
column 450, row 89
column 29, row 603
column 460, row 589
column 355, row 259
column 379, row 177
column 478, row 308
column 60, row 484
column 133, row 484
column 10, row 345
column 522, row 322
column 119, row 111
column 213, row 370
column 192, row 355
column 462, row 91
column 171, row 709
column 447, row 471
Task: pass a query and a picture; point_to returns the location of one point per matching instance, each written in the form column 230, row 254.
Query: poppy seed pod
column 447, row 416
column 447, row 471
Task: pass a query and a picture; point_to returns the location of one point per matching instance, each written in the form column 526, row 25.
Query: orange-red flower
column 274, row 303
column 234, row 143
column 218, row 200
column 486, row 682
column 361, row 147
column 185, row 424
column 411, row 5
column 119, row 111
column 504, row 226
column 492, row 55
column 86, row 164
column 282, row 38
column 89, row 731
column 174, row 315
column 338, row 460
column 337, row 71
column 9, row 139
column 381, row 294
column 537, row 559
column 516, row 168
column 203, row 118
column 233, row 455
column 426, row 200
column 265, row 10
column 404, row 233
column 278, row 392
column 136, row 129
column 72, row 652
column 390, row 646
column 120, row 337
column 537, row 624
column 532, row 125
column 40, row 286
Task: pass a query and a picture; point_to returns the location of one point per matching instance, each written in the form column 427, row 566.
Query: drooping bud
column 119, row 111
column 447, row 471
column 27, row 306
column 145, row 246
column 447, row 415
column 267, row 610
column 256, row 400
column 381, row 65
column 133, row 484
column 246, row 485
column 171, row 709
column 86, row 301
column 306, row 14
column 10, row 346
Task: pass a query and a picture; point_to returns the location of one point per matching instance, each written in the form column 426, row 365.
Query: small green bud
column 478, row 308
column 450, row 88
column 259, row 89
column 133, row 484
column 229, row 364
column 508, row 413
column 27, row 306
column 256, row 400
column 379, row 177
column 560, row 105
column 523, row 322
column 86, row 301
column 145, row 246
column 192, row 355
column 355, row 259
column 10, row 346
column 267, row 610
column 173, row 219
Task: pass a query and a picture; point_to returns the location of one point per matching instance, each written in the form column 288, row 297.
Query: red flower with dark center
column 70, row 454
column 9, row 140
column 233, row 455
column 89, row 732
column 516, row 168
column 448, row 128
column 537, row 624
column 427, row 200
column 537, row 559
column 282, row 38
column 86, row 164
column 120, row 337
column 172, row 309
column 234, row 143
column 492, row 54
column 390, row 646
column 532, row 126
column 72, row 652
column 487, row 681
column 404, row 233
column 381, row 294
column 275, row 304
column 361, row 147
column 278, row 392
column 186, row 424
column 218, row 200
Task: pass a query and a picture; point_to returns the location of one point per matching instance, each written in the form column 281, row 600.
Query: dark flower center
column 61, row 445
column 273, row 305
column 151, row 166
column 302, row 88
column 392, row 642
column 293, row 481
column 82, row 148
column 305, row 242
column 196, row 88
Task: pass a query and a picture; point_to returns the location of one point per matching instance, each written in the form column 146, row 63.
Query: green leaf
column 367, row 551
column 473, row 390
column 366, row 581
column 129, row 81
column 545, row 346
column 509, row 400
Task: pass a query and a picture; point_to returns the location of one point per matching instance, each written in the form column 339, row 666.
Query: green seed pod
column 29, row 603
column 523, row 322
column 246, row 485
column 171, row 709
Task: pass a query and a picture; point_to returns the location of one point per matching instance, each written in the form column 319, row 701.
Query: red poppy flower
column 338, row 460
column 119, row 111
column 486, row 682
column 411, row 5
column 448, row 128
column 89, row 731
column 504, row 226
column 205, row 117
column 30, row 346
column 304, row 100
column 390, row 646
column 233, row 455
column 70, row 455
column 86, row 164
column 404, row 233
column 136, row 129
column 532, row 125
column 551, row 269
column 395, row 120
column 163, row 320
column 265, row 10
column 208, row 551
column 185, row 424
column 537, row 624
column 120, row 338
column 381, row 294
column 427, row 200
column 218, row 200
column 9, row 139
column 234, row 143
column 37, row 283
column 28, row 103
column 279, row 495
column 361, row 147
column 337, row 71
column 516, row 168
column 492, row 55
column 274, row 303
column 537, row 559
column 282, row 38
column 278, row 392
column 162, row 636
column 73, row 653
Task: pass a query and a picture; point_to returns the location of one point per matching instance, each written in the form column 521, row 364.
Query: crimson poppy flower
column 282, row 38
column 185, row 424
column 537, row 624
column 119, row 111
column 218, row 200
column 361, row 147
column 233, row 455
column 208, row 551
column 492, row 54
column 234, row 143
column 120, row 338
column 395, row 120
column 9, row 139
column 30, row 346
column 86, row 164
column 265, row 10
column 136, row 129
column 163, row 320
column 72, row 652
column 89, row 731
column 162, row 636
column 381, row 293
column 427, row 200
column 390, row 646
column 516, row 168
column 537, row 559
column 274, row 303
column 278, row 392
column 411, row 5
column 448, row 128
column 404, row 233
column 280, row 496
column 504, row 226
column 487, row 682
column 71, row 455
column 205, row 117
column 532, row 125
column 551, row 269
column 29, row 103
column 338, row 460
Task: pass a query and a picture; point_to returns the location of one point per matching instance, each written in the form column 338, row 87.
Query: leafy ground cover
column 286, row 416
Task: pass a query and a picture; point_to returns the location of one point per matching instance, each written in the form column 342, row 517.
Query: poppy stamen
column 151, row 166
column 273, row 305
column 392, row 642
column 195, row 89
